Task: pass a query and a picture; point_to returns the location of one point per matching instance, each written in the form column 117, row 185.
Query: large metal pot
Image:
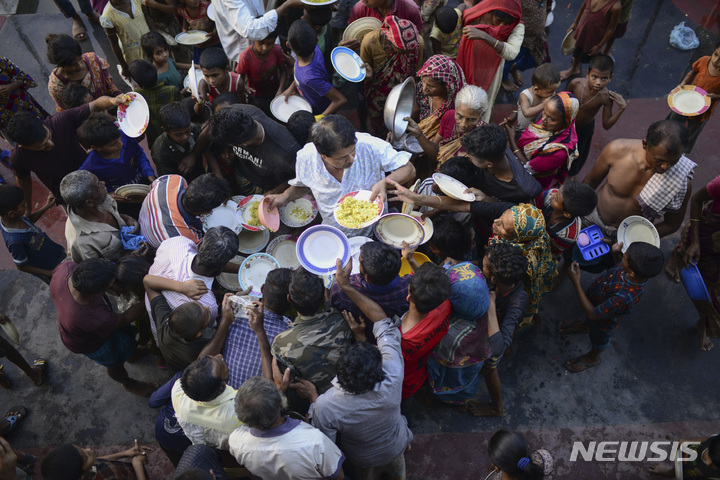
column 399, row 104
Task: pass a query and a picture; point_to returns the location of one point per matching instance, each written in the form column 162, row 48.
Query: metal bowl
column 399, row 105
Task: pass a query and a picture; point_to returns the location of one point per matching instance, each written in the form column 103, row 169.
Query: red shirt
column 417, row 343
column 263, row 76
column 406, row 9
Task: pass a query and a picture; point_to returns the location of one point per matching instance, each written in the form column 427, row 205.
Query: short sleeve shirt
column 449, row 42
column 32, row 246
column 313, row 82
column 613, row 295
column 263, row 75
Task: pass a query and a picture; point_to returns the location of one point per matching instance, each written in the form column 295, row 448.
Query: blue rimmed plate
column 318, row 247
column 348, row 64
column 254, row 271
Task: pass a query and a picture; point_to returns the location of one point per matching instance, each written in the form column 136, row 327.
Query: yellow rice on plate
column 352, row 213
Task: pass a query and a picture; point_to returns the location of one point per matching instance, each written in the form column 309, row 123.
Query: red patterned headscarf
column 403, row 34
column 449, row 73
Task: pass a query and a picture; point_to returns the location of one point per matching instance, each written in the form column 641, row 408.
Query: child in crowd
column 198, row 113
column 218, row 77
column 145, row 74
column 125, row 22
column 262, row 66
column 594, row 26
column 504, row 267
column 545, row 82
column 157, row 51
column 318, row 18
column 195, row 17
column 447, row 32
column 705, row 74
column 623, row 20
column 14, row 95
column 75, row 95
column 311, row 77
column 31, row 248
column 459, row 168
column 612, row 294
column 178, row 139
column 592, row 93
column 299, row 125
column 115, row 159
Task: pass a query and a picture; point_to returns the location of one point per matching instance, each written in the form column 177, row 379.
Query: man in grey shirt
column 363, row 406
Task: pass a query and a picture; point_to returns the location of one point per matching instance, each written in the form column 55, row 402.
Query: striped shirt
column 173, row 260
column 162, row 215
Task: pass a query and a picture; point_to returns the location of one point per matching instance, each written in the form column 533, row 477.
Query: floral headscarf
column 403, row 34
column 443, row 68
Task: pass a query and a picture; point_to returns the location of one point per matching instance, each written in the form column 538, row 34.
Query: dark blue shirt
column 32, row 246
column 133, row 165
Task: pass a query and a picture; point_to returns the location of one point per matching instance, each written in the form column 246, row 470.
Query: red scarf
column 479, row 60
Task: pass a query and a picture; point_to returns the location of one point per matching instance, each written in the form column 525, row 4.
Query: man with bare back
column 648, row 177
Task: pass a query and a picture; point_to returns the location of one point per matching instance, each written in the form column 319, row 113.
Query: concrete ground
column 653, row 384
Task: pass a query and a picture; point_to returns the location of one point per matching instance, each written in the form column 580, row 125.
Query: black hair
column 359, row 367
column 272, row 35
column 504, row 16
column 174, row 116
column 644, row 259
column 200, row 382
column 186, row 320
column 487, row 142
column 62, row 463
column 545, row 76
column 150, row 41
column 11, row 196
column 714, row 443
column 446, row 19
column 100, row 129
column 205, row 193
column 460, row 168
column 214, row 58
column 506, row 262
column 579, row 199
column 144, row 73
column 276, row 288
column 218, row 246
column 73, row 95
column 258, row 403
column 195, row 117
column 306, row 291
column 93, row 276
column 131, row 269
column 669, row 134
column 25, row 128
column 510, row 453
column 300, row 124
column 62, row 50
column 429, row 287
column 602, row 63
column 451, row 238
column 227, row 98
column 380, row 262
column 319, row 16
column 331, row 134
column 301, row 38
column 231, row 126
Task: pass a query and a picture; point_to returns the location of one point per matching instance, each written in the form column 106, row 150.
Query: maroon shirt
column 406, row 9
column 83, row 328
column 66, row 156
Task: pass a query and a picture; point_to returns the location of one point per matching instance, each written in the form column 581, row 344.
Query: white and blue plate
column 348, row 64
column 318, row 247
column 254, row 271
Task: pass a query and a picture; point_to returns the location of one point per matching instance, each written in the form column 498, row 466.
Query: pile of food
column 299, row 213
column 354, row 213
column 254, row 220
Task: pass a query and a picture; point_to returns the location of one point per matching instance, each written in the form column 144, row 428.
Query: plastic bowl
column 595, row 247
column 694, row 284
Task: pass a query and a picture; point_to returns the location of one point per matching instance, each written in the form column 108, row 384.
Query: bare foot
column 565, row 74
column 78, row 29
column 673, row 266
column 703, row 340
column 144, row 389
column 485, row 409
column 580, row 364
column 663, row 471
column 509, row 85
column 577, row 326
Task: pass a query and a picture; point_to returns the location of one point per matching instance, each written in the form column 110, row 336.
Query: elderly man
column 339, row 161
column 265, row 149
column 363, row 406
column 181, row 260
column 50, row 147
column 88, row 325
column 93, row 225
column 171, row 209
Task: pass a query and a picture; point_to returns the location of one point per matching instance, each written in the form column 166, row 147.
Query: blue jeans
column 66, row 7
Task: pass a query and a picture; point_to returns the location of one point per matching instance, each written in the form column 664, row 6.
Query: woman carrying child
column 493, row 33
column 14, row 95
column 549, row 146
column 393, row 53
column 73, row 66
column 441, row 80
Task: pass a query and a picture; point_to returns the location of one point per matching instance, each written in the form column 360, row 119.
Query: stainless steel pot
column 399, row 104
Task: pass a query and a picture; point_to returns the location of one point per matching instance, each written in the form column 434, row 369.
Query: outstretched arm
column 368, row 307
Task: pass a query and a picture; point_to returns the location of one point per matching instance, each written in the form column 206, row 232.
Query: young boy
column 31, row 248
column 115, row 159
column 612, row 294
column 594, row 26
column 262, row 66
column 504, row 267
column 178, row 139
column 592, row 93
column 219, row 79
column 705, row 74
column 447, row 32
column 311, row 77
column 545, row 82
column 145, row 75
column 75, row 95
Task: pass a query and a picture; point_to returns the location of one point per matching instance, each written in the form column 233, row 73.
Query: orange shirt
column 707, row 82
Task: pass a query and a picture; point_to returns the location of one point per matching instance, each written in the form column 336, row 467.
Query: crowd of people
column 310, row 380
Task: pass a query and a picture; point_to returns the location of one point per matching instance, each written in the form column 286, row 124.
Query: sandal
column 79, row 33
column 39, row 362
column 4, row 380
column 15, row 415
